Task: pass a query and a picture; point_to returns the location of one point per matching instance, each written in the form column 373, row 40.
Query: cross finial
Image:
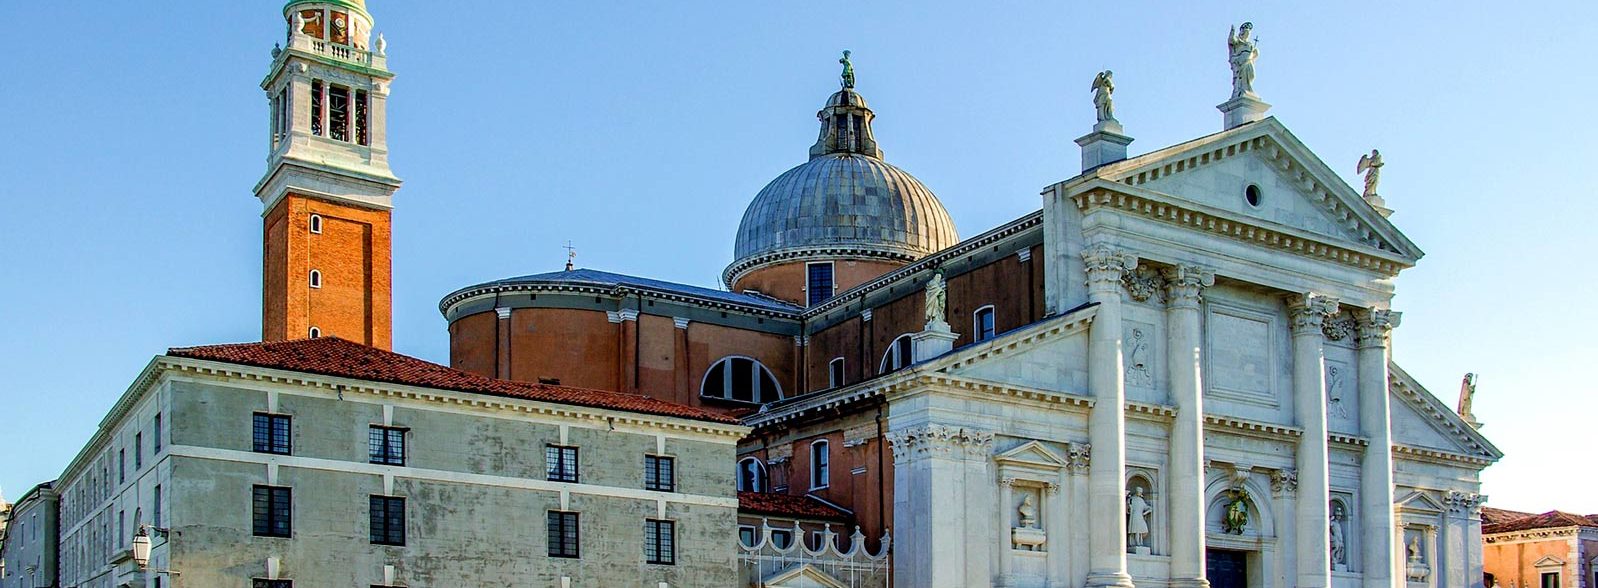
column 571, row 256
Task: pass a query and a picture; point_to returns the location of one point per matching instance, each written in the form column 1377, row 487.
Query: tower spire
column 846, row 120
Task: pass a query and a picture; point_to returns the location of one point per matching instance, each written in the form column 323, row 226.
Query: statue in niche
column 1028, row 512
column 1334, row 392
column 1416, row 570
column 1371, row 166
column 1103, row 101
column 1242, row 52
column 848, row 70
column 1138, row 511
column 1338, row 539
column 1235, row 521
column 1138, row 372
column 937, row 301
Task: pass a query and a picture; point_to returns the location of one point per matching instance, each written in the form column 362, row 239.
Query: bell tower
column 327, row 195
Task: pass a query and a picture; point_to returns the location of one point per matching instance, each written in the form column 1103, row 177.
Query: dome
column 844, row 203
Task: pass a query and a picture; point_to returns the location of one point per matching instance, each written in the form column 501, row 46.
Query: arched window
column 316, row 224
column 741, row 379
column 982, row 324
column 751, row 475
column 316, row 278
column 835, row 372
column 898, row 355
column 820, row 465
column 315, row 332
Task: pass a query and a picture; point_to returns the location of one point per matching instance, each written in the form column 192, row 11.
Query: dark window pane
column 387, row 520
column 563, row 537
column 361, row 103
column 659, row 474
column 386, row 445
column 715, row 381
column 271, row 434
column 338, row 113
column 660, row 542
column 560, row 463
column 271, row 510
column 316, row 107
column 743, row 381
column 819, row 284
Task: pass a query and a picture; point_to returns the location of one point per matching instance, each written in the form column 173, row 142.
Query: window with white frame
column 316, row 224
column 982, row 324
column 819, row 283
column 740, row 379
column 835, row 372
column 898, row 355
column 314, row 333
column 751, row 475
column 316, row 278
column 820, row 464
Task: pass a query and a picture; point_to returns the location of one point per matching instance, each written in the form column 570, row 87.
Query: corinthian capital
column 1373, row 325
column 938, row 440
column 1106, row 265
column 1184, row 285
column 1308, row 312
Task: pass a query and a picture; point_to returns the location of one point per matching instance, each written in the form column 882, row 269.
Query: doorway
column 1226, row 568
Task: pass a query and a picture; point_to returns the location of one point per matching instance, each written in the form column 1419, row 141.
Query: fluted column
column 1107, row 423
column 1183, row 334
column 1307, row 313
column 1376, row 468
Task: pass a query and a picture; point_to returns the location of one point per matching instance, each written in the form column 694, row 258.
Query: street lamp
column 141, row 547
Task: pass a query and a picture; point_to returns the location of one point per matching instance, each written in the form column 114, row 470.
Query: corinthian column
column 1376, row 469
column 1107, row 423
column 1308, row 314
column 1182, row 286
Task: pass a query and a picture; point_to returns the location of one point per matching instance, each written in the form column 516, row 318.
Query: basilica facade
column 1177, row 371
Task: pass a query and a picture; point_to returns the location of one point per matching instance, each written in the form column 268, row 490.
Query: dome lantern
column 846, row 120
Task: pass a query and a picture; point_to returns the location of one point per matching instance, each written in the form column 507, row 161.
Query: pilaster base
column 1106, row 580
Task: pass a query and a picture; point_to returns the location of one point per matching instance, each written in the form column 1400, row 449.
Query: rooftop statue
column 1371, row 166
column 937, row 300
column 1242, row 51
column 848, row 70
column 1103, row 99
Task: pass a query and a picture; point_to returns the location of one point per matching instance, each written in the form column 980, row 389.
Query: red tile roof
column 332, row 356
column 785, row 505
column 1552, row 519
column 1490, row 515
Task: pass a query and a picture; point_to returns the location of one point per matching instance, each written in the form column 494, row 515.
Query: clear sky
column 135, row 131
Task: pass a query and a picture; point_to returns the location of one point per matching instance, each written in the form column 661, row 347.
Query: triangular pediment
column 1047, row 355
column 802, row 576
column 1419, row 502
column 1297, row 191
column 1419, row 419
column 1549, row 561
column 1032, row 454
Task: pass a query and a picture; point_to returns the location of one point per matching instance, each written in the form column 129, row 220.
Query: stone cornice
column 743, row 266
column 1449, row 423
column 1438, row 456
column 598, row 417
column 1531, row 535
column 618, row 291
column 1162, row 208
column 1252, row 428
column 934, row 260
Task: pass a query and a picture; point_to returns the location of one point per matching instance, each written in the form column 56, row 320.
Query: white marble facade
column 1224, row 389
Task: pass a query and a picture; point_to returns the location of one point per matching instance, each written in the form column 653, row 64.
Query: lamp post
column 141, row 547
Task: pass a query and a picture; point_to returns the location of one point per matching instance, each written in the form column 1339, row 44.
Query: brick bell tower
column 328, row 191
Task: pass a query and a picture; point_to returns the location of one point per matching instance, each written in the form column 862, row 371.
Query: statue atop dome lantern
column 848, row 70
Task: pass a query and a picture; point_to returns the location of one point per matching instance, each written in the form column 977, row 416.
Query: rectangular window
column 386, row 445
column 155, row 432
column 338, row 113
column 835, row 373
column 388, row 520
column 155, row 506
column 260, row 583
column 362, row 103
column 982, row 324
column 272, row 510
column 272, row 433
column 560, row 462
column 316, row 107
column 563, row 538
column 122, row 526
column 660, row 542
column 818, row 283
column 122, row 465
column 660, row 473
column 138, row 451
column 1550, row 580
column 820, row 468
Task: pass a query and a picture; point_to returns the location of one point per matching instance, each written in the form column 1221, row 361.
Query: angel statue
column 1242, row 52
column 1371, row 166
column 937, row 300
column 848, row 70
column 1103, row 102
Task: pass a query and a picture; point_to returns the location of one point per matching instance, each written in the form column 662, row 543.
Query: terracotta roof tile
column 1552, row 519
column 786, row 505
column 332, row 356
column 1491, row 516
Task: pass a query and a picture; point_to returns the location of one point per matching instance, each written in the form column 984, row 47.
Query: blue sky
column 639, row 131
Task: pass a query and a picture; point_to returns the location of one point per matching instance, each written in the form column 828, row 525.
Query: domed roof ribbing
column 845, row 202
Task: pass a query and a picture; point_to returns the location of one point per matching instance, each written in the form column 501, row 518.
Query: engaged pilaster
column 1307, row 314
column 1183, row 287
column 1107, row 423
column 1376, row 468
column 943, row 497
